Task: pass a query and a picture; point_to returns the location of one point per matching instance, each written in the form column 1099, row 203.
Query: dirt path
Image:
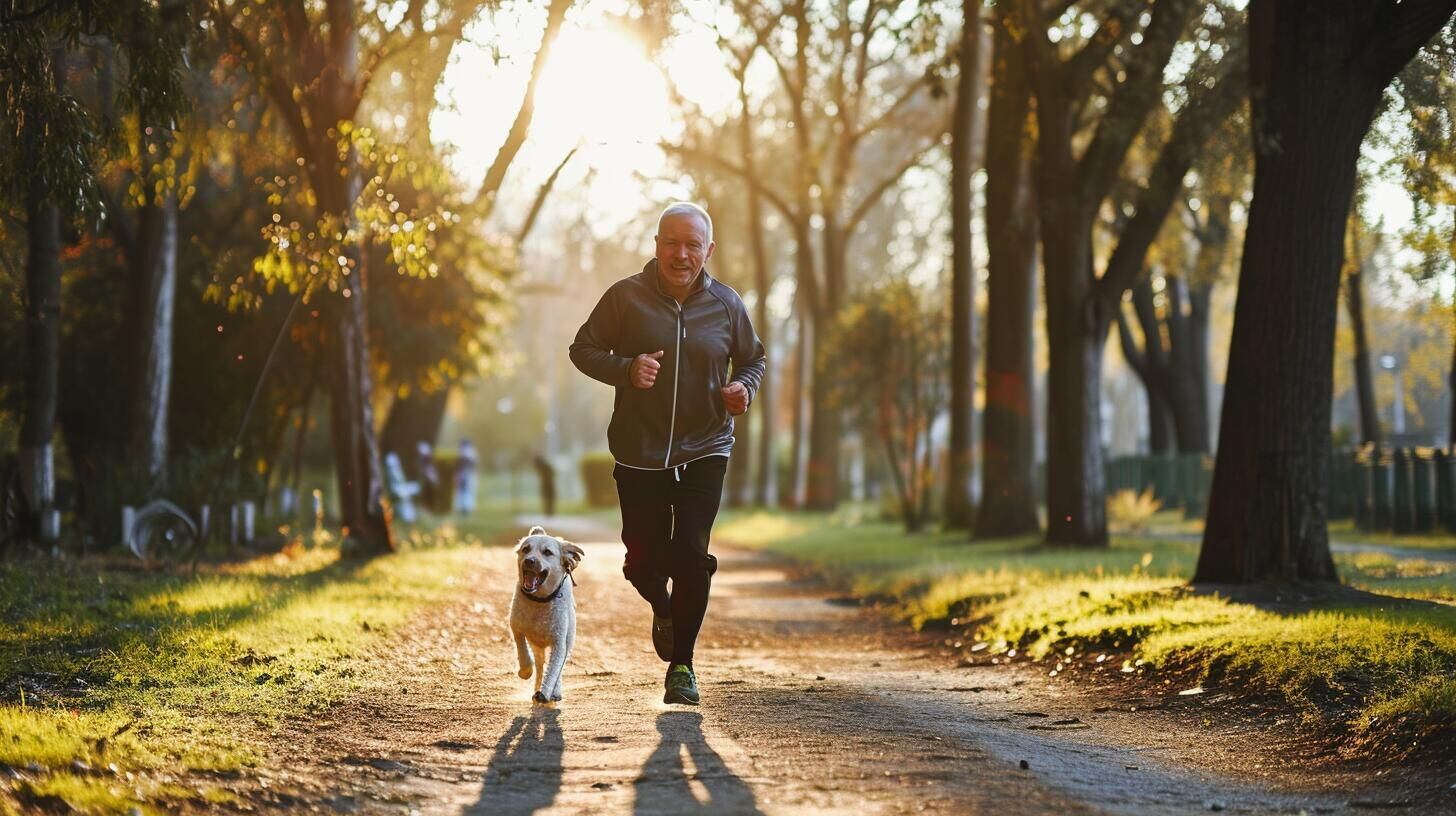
column 809, row 706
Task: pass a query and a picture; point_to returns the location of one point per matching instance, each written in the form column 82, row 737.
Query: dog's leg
column 567, row 643
column 523, row 654
column 551, row 682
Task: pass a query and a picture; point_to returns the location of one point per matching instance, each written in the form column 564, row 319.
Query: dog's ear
column 571, row 554
column 537, row 530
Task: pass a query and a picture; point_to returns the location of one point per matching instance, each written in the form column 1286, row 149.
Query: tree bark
column 156, row 283
column 1008, row 460
column 356, row 447
column 804, row 374
column 42, row 326
column 1151, row 365
column 1317, row 71
column 825, row 421
column 1364, row 377
column 959, row 500
column 1188, row 372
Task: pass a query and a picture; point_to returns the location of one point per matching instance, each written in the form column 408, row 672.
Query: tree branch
column 496, row 175
column 1407, row 27
column 779, row 202
column 1200, row 118
column 540, row 199
column 876, row 192
column 1114, row 29
column 1134, row 99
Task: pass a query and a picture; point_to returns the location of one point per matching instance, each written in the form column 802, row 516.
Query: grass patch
column 127, row 670
column 1376, row 670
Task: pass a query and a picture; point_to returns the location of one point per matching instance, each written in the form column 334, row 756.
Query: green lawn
column 127, row 670
column 1382, row 670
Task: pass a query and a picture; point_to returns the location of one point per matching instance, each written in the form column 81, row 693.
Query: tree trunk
column 1364, row 378
column 803, row 377
column 1076, row 494
column 765, row 483
column 1188, row 374
column 1152, row 366
column 156, row 282
column 414, row 419
column 825, row 422
column 1008, row 460
column 1317, row 72
column 959, row 500
column 42, row 327
column 356, row 447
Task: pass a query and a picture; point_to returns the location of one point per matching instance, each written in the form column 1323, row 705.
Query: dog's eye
column 550, row 554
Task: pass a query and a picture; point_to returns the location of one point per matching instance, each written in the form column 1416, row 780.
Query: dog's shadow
column 525, row 770
column 665, row 784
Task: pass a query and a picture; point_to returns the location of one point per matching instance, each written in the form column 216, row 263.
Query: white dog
column 543, row 609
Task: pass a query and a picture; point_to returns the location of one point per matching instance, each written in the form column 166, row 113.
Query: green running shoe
column 682, row 686
column 662, row 637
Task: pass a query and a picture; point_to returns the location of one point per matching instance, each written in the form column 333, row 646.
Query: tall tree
column 49, row 159
column 965, row 121
column 1008, row 453
column 1130, row 49
column 854, row 79
column 1317, row 73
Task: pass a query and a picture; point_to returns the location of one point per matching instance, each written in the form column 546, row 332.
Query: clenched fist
column 735, row 397
column 644, row 369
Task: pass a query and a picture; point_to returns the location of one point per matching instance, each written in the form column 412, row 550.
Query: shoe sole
column 678, row 698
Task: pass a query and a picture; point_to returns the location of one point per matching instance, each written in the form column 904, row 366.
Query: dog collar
column 553, row 596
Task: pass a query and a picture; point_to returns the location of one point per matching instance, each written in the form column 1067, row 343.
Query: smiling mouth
column 532, row 581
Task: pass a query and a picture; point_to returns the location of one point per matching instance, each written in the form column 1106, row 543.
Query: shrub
column 1129, row 511
column 596, row 477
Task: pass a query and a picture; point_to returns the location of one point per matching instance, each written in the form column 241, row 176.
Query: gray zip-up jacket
column 682, row 416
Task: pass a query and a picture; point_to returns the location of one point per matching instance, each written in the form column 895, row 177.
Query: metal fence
column 1178, row 480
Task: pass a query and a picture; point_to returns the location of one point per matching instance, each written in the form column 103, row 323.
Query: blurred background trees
column 977, row 194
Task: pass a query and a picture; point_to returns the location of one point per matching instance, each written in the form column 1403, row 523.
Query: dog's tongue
column 532, row 582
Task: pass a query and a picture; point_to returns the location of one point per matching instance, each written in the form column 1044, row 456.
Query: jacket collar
column 700, row 283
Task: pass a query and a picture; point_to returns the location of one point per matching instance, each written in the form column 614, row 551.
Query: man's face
column 682, row 248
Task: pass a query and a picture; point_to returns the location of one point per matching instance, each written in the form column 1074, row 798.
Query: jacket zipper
column 676, row 366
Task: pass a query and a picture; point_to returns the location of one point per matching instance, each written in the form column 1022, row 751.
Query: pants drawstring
column 677, row 473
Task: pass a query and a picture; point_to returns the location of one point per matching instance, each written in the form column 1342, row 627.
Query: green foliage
column 596, row 477
column 50, row 139
column 888, row 354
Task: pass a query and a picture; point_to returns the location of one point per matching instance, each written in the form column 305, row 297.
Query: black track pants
column 667, row 517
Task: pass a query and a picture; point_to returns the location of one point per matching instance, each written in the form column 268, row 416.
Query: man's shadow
column 525, row 771
column 665, row 785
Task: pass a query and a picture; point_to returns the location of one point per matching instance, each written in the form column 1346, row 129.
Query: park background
column 254, row 252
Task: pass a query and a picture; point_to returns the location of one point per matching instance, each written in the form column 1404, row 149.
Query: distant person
column 466, row 464
column 546, row 478
column 671, row 439
column 429, row 475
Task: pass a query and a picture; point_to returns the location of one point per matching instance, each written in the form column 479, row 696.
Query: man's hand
column 735, row 397
column 644, row 369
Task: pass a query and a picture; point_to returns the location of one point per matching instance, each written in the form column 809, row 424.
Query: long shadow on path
column 525, row 770
column 666, row 783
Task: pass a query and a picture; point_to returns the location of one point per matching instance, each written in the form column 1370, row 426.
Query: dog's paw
column 538, row 697
column 525, row 672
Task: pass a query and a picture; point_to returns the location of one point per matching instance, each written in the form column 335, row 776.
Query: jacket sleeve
column 596, row 340
column 749, row 362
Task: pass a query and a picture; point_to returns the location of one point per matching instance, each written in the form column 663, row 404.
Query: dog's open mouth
column 531, row 580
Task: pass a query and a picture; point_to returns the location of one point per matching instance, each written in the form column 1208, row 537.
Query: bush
column 1129, row 511
column 596, row 477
